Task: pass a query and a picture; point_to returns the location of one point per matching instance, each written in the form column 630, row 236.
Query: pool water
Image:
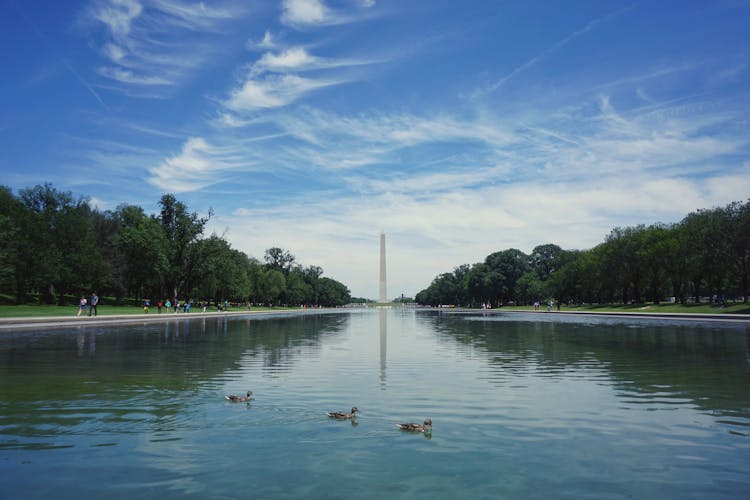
column 524, row 405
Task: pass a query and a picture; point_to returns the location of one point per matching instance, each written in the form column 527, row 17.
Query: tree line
column 54, row 246
column 706, row 254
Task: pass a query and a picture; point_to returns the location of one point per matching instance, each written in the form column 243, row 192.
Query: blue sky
column 460, row 128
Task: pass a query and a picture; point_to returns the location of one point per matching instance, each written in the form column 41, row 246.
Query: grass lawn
column 35, row 311
column 31, row 311
column 731, row 308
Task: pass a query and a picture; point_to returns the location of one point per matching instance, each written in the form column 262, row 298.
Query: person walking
column 93, row 303
column 81, row 305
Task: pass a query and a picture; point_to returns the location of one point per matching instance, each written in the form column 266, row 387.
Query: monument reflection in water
column 523, row 405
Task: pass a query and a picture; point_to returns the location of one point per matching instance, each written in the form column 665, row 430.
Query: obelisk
column 383, row 296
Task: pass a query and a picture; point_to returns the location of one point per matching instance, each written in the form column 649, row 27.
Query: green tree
column 181, row 228
column 255, row 272
column 544, row 260
column 279, row 259
column 508, row 266
column 739, row 243
column 311, row 276
column 529, row 288
column 705, row 233
column 143, row 248
column 622, row 260
column 297, row 290
column 566, row 283
column 333, row 293
column 12, row 271
column 654, row 255
column 479, row 284
column 218, row 271
column 273, row 284
column 63, row 241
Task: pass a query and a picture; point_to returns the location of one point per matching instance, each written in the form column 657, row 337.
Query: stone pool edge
column 116, row 319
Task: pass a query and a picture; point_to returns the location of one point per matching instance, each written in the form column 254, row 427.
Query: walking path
column 113, row 319
column 726, row 317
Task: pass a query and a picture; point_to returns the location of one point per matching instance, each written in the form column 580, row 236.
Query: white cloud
column 274, row 80
column 117, row 15
column 100, row 204
column 195, row 16
column 312, row 13
column 152, row 42
column 295, row 12
column 292, row 59
column 427, row 236
column 267, row 42
column 127, row 76
column 385, row 133
column 197, row 166
column 272, row 91
column 566, row 178
column 722, row 189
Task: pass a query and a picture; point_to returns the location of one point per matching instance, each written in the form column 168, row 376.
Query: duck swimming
column 414, row 427
column 240, row 399
column 343, row 415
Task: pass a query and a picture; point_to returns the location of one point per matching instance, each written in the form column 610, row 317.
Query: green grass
column 34, row 311
column 731, row 308
column 31, row 311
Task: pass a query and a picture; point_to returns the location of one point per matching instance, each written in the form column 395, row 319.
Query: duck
column 240, row 399
column 342, row 415
column 414, row 427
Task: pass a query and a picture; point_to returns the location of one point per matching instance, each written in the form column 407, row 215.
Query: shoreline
column 22, row 323
column 17, row 323
column 726, row 317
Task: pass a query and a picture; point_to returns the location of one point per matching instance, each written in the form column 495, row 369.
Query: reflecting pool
column 523, row 406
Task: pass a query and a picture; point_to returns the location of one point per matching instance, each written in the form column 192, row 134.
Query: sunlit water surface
column 523, row 406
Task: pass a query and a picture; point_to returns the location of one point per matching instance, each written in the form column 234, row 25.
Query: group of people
column 168, row 305
column 91, row 303
column 550, row 304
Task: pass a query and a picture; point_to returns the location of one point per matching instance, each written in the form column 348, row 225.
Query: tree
column 566, row 283
column 333, row 293
column 654, row 253
column 279, row 259
column 311, row 276
column 181, row 228
column 508, row 266
column 62, row 241
column 143, row 247
column 705, row 233
column 106, row 265
column 529, row 288
column 739, row 243
column 57, row 245
column 622, row 259
column 479, row 284
column 11, row 244
column 273, row 284
column 255, row 274
column 544, row 260
column 297, row 290
column 218, row 271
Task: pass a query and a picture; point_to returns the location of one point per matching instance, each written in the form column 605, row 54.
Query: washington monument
column 383, row 296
